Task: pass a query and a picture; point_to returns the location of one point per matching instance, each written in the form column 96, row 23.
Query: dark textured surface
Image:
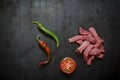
column 19, row 51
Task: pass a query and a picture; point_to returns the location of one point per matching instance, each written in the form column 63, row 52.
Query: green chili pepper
column 48, row 32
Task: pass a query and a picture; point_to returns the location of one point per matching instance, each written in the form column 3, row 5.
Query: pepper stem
column 35, row 22
column 39, row 25
column 37, row 38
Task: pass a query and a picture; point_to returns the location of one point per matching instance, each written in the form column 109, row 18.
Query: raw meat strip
column 100, row 55
column 83, row 46
column 90, row 38
column 96, row 51
column 87, row 51
column 83, row 31
column 75, row 38
column 80, row 42
column 89, row 62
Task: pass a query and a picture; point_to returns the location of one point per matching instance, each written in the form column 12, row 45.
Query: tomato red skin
column 64, row 62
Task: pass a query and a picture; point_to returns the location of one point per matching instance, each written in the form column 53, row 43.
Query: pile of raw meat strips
column 91, row 44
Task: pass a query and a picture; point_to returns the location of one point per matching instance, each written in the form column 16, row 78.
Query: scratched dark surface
column 20, row 53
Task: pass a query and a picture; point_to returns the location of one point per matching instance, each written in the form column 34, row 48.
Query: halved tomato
column 68, row 65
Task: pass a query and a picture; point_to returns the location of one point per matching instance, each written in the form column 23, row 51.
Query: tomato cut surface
column 68, row 65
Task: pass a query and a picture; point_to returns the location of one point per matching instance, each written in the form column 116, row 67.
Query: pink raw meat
column 93, row 32
column 99, row 42
column 91, row 44
column 100, row 55
column 83, row 46
column 87, row 51
column 90, row 38
column 75, row 38
column 80, row 42
column 83, row 31
column 100, row 47
column 89, row 61
column 96, row 51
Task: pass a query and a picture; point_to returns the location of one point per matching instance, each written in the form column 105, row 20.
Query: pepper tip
column 37, row 38
column 41, row 63
column 57, row 45
column 34, row 22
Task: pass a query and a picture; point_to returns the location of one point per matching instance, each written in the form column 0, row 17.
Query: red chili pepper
column 46, row 48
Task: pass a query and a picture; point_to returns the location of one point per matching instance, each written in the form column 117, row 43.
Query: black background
column 20, row 53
